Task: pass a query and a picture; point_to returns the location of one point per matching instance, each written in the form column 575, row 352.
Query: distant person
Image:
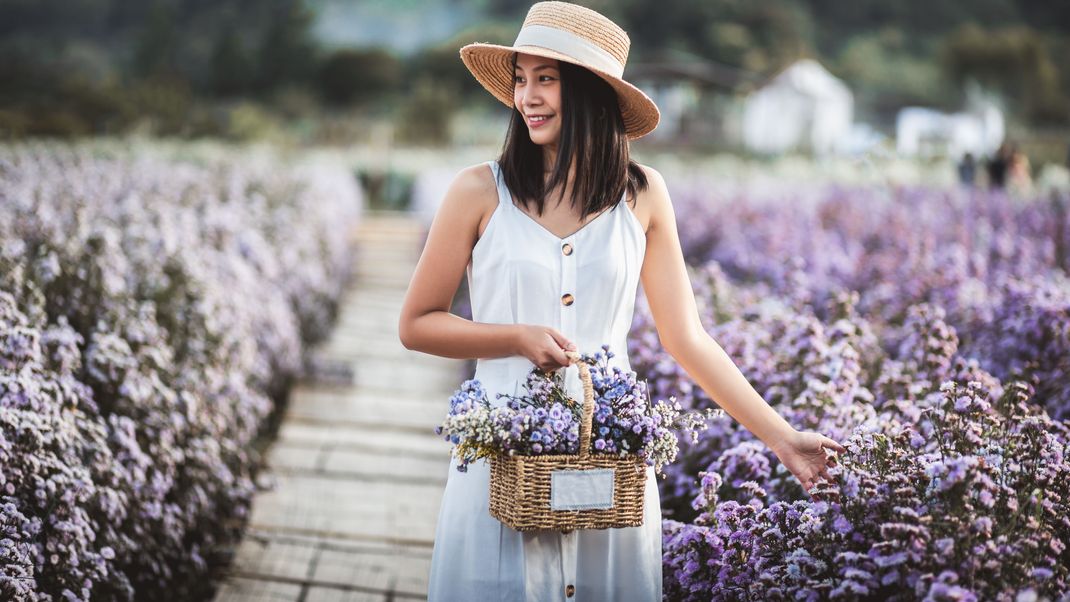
column 968, row 170
column 997, row 166
column 1019, row 177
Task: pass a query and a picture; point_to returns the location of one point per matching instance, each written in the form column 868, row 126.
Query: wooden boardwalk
column 357, row 472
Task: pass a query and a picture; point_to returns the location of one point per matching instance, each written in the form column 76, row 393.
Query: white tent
column 803, row 108
column 926, row 132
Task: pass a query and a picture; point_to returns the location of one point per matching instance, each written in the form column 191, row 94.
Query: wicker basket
column 521, row 486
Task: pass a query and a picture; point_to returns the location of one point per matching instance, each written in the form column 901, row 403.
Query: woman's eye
column 519, row 79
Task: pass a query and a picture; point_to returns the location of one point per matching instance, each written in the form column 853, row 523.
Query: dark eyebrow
column 539, row 67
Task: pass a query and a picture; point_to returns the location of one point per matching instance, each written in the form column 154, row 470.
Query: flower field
column 152, row 313
column 929, row 332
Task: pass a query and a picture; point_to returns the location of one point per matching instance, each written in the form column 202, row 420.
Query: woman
column 555, row 237
column 1019, row 177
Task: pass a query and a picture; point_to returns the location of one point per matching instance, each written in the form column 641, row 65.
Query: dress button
column 570, row 590
column 566, row 249
column 567, row 299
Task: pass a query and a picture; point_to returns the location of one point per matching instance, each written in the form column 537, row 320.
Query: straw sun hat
column 574, row 34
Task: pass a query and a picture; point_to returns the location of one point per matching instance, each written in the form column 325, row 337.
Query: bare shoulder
column 650, row 171
column 472, row 194
column 474, row 179
column 654, row 200
column 475, row 184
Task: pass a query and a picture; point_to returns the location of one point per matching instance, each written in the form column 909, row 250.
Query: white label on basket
column 581, row 489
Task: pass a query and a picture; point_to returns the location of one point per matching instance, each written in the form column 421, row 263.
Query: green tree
column 759, row 35
column 1014, row 60
column 886, row 75
column 157, row 44
column 232, row 66
column 287, row 53
column 507, row 8
column 425, row 116
column 441, row 65
column 359, row 75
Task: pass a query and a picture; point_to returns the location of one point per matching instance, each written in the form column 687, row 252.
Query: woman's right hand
column 543, row 346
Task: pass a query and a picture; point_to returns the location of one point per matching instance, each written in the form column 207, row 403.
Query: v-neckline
column 547, row 230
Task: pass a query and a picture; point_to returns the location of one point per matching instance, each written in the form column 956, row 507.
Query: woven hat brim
column 491, row 65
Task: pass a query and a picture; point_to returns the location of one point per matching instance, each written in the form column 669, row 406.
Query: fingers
column 555, row 361
column 808, row 483
column 562, row 345
column 562, row 340
column 825, row 473
column 561, row 355
column 564, row 359
column 831, row 444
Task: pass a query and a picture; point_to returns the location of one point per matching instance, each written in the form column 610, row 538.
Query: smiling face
column 537, row 95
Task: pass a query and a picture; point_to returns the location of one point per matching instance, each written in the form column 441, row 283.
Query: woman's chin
column 541, row 139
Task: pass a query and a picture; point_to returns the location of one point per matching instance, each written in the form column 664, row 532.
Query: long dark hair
column 592, row 136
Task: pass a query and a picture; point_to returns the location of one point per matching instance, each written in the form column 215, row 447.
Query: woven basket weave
column 520, row 485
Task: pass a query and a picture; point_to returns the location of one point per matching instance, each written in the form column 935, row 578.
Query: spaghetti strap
column 504, row 197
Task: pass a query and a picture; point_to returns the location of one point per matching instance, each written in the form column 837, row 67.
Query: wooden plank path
column 357, row 470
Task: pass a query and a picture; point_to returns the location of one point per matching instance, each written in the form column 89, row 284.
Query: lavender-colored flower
column 133, row 381
column 928, row 330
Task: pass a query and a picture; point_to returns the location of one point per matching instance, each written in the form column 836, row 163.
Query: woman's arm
column 672, row 304
column 426, row 323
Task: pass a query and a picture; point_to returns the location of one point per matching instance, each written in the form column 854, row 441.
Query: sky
column 403, row 25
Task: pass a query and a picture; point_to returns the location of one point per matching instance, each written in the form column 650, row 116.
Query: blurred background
column 937, row 82
column 872, row 200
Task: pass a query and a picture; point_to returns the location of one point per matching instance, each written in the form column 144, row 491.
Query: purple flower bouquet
column 546, row 420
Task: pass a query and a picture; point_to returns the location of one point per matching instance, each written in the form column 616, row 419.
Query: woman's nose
column 530, row 97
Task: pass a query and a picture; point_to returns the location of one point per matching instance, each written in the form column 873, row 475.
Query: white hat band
column 571, row 44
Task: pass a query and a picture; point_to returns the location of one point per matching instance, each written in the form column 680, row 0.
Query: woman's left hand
column 803, row 453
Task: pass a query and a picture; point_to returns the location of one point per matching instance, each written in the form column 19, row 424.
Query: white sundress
column 521, row 273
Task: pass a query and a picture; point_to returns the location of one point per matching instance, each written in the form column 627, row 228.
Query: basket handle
column 588, row 403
